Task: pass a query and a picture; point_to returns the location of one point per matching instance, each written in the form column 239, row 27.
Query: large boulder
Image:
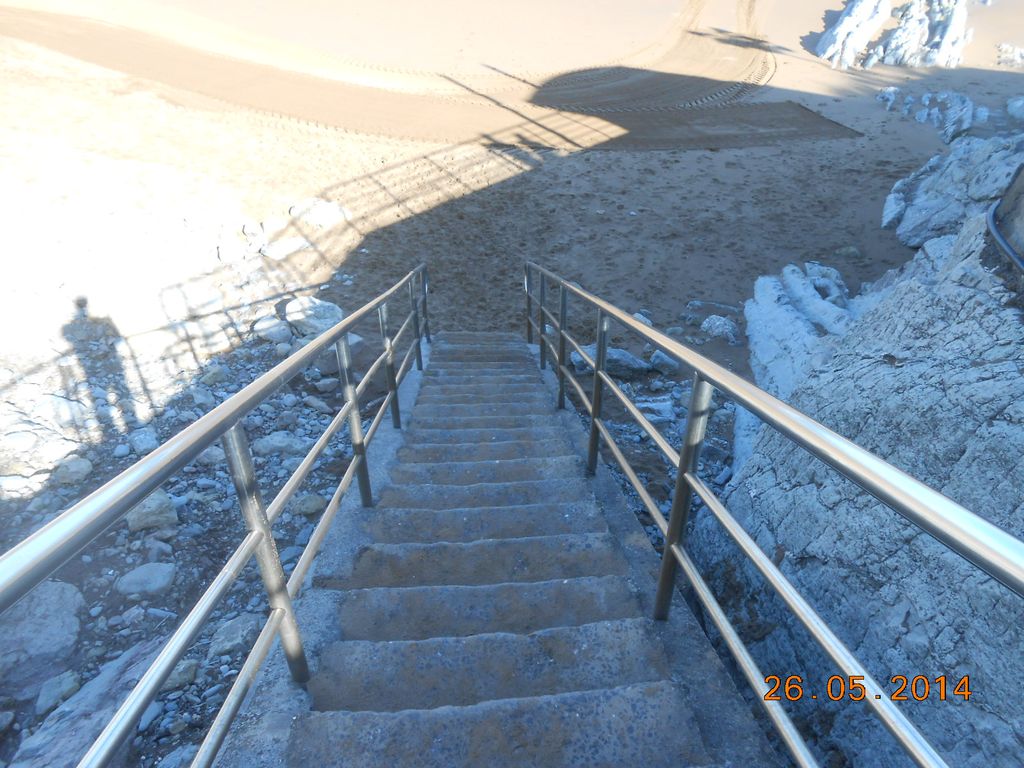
column 66, row 734
column 619, row 363
column 155, row 511
column 147, row 579
column 312, row 316
column 39, row 633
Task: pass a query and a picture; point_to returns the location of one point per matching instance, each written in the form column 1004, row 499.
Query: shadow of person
column 103, row 386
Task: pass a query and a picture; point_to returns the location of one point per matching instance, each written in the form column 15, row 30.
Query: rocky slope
column 924, row 369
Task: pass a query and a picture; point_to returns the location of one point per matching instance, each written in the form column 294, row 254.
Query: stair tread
column 509, row 450
column 386, row 524
column 488, row 470
column 488, row 561
column 440, row 496
column 646, row 724
column 417, row 613
column 359, row 675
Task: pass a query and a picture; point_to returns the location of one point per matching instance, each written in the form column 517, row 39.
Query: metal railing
column 988, row 547
column 40, row 555
column 1015, row 197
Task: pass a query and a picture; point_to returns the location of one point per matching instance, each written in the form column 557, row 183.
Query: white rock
column 202, row 397
column 842, row 44
column 282, row 249
column 273, row 329
column 658, row 410
column 155, row 511
column 309, row 506
column 72, row 471
column 312, row 316
column 280, row 442
column 144, row 440
column 55, row 690
column 319, row 213
column 1015, row 108
column 721, row 327
column 235, row 635
column 643, row 319
column 146, row 579
column 183, row 674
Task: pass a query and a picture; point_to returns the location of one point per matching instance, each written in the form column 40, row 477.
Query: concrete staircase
column 489, row 610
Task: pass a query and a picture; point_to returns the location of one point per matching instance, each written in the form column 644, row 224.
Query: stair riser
column 470, row 473
column 398, row 526
column 483, row 396
column 417, row 435
column 539, row 408
column 425, row 612
column 477, row 563
column 361, row 676
column 460, row 452
column 485, row 495
column 482, row 422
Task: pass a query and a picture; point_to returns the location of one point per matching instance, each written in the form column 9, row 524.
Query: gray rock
column 236, row 635
column 664, row 364
column 317, row 404
column 618, row 362
column 721, row 327
column 202, row 397
column 643, row 319
column 279, row 443
column 55, row 690
column 180, row 757
column 39, row 632
column 215, row 374
column 147, row 579
column 312, row 316
column 121, row 451
column 183, row 674
column 309, row 506
column 155, row 511
column 149, row 714
column 327, row 384
column 72, row 471
column 273, row 329
column 69, row 730
column 144, row 440
column 6, row 721
column 1015, row 108
column 212, row 456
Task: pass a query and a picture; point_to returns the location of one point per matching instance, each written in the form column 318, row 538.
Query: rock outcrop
column 928, row 377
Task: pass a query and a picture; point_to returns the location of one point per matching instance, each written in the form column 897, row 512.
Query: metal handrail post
column 563, row 313
column 528, row 285
column 416, row 325
column 355, row 423
column 682, row 496
column 389, row 365
column 598, row 392
column 542, row 322
column 236, row 448
column 424, row 290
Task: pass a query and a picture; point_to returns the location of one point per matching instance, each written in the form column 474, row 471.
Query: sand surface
column 138, row 138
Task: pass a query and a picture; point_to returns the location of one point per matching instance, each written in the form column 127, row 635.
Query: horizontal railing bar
column 587, row 359
column 755, row 678
column 667, row 450
column 299, row 475
column 35, row 558
column 551, row 316
column 905, row 732
column 122, row 723
column 627, row 469
column 214, row 738
column 985, row 545
column 309, row 553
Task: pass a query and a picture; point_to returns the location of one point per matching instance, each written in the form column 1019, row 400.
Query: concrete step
column 415, row 435
column 395, row 526
column 540, row 407
column 461, row 355
column 477, row 337
column 461, row 671
column 493, row 379
column 493, row 471
column 429, row 453
column 482, row 395
column 418, row 613
column 483, row 422
column 646, row 724
column 491, row 561
column 432, row 496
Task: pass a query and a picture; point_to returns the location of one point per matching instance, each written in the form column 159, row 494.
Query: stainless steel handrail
column 1004, row 244
column 44, row 552
column 985, row 545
